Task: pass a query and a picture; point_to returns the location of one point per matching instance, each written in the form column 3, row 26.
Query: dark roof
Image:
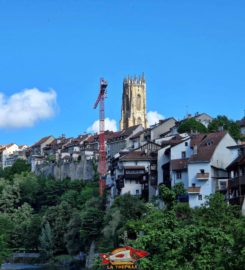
column 196, row 139
column 137, row 135
column 179, row 164
column 242, row 122
column 206, row 148
column 137, row 155
column 134, row 167
column 239, row 161
column 123, row 133
column 200, row 114
column 161, row 121
column 44, row 139
column 173, row 141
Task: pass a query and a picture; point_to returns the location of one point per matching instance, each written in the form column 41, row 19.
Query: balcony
column 236, row 181
column 236, row 200
column 194, row 190
column 202, row 176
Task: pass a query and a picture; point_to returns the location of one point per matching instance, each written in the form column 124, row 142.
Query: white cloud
column 154, row 117
column 26, row 108
column 110, row 124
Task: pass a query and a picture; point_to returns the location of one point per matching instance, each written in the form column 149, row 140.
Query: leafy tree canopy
column 222, row 121
column 192, row 125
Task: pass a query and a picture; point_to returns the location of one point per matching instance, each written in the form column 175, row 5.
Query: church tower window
column 138, row 102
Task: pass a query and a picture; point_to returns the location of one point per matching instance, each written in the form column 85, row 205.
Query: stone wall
column 82, row 170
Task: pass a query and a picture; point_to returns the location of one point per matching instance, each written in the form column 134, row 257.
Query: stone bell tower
column 133, row 102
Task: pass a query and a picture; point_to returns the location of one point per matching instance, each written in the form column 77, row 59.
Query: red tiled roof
column 44, row 139
column 206, row 148
column 196, row 139
column 123, row 133
column 137, row 155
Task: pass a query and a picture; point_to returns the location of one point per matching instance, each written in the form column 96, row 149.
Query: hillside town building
column 139, row 159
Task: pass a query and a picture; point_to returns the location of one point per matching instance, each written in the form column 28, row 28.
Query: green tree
column 222, row 121
column 124, row 208
column 91, row 221
column 6, row 228
column 192, row 125
column 72, row 236
column 167, row 195
column 4, row 251
column 46, row 242
column 18, row 167
column 58, row 218
column 9, row 197
column 205, row 239
column 22, row 222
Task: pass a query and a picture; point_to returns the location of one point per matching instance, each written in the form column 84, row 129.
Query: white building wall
column 176, row 151
column 7, row 152
column 48, row 141
column 206, row 186
column 183, row 179
column 243, row 130
column 132, row 186
column 162, row 128
column 223, row 156
column 161, row 160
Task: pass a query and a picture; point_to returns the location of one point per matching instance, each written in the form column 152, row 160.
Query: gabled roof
column 138, row 134
column 6, row 146
column 125, row 133
column 207, row 146
column 239, row 161
column 196, row 139
column 197, row 115
column 41, row 141
column 148, row 151
column 177, row 139
column 137, row 156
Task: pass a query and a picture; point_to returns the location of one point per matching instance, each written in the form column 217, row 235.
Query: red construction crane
column 102, row 153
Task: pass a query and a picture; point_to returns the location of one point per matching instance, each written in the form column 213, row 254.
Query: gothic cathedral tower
column 133, row 102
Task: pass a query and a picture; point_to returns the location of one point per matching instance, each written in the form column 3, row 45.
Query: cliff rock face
column 82, row 170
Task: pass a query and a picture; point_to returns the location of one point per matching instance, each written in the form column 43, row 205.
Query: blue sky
column 192, row 54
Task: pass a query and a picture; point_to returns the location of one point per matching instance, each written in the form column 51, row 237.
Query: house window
column 178, row 175
column 186, row 143
column 201, row 171
column 137, row 192
column 183, row 154
column 200, row 197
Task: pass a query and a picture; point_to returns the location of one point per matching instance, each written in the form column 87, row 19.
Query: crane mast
column 102, row 152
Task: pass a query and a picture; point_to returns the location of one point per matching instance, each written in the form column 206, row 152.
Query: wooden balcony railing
column 194, row 190
column 236, row 181
column 202, row 176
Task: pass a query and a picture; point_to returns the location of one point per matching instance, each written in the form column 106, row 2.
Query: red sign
column 123, row 258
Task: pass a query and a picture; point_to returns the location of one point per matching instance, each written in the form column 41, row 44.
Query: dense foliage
column 177, row 237
column 65, row 217
column 192, row 125
column 42, row 214
column 224, row 123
